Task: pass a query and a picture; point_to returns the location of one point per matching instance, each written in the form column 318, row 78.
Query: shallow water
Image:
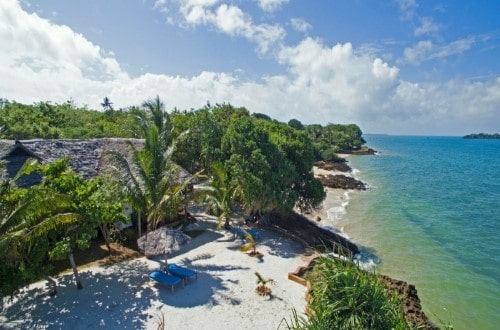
column 432, row 218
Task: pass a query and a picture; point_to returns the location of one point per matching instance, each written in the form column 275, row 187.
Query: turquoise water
column 432, row 218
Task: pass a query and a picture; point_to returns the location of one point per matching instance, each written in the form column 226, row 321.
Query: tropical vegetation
column 252, row 162
column 343, row 296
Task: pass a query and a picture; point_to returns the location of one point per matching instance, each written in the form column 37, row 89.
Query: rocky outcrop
column 341, row 181
column 307, row 232
column 414, row 315
column 362, row 151
column 340, row 165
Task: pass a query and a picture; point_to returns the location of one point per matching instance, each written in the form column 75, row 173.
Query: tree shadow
column 279, row 245
column 122, row 296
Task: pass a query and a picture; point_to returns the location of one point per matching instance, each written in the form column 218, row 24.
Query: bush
column 346, row 297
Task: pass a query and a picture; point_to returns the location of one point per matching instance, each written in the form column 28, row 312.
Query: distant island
column 482, row 136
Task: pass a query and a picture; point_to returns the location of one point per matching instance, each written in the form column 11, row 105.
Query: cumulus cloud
column 271, row 5
column 321, row 83
column 228, row 19
column 48, row 60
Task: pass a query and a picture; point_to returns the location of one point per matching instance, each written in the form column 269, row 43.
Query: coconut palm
column 107, row 104
column 151, row 178
column 27, row 218
column 221, row 193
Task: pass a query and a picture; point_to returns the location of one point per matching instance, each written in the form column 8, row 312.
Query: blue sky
column 395, row 66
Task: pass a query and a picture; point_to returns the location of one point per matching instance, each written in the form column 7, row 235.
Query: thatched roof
column 9, row 147
column 162, row 241
column 85, row 155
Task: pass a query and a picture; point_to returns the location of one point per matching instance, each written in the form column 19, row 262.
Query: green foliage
column 221, row 192
column 151, row 180
column 346, row 297
column 334, row 138
column 270, row 161
column 294, row 123
column 48, row 220
column 51, row 121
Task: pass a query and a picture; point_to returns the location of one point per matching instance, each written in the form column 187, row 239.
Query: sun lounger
column 181, row 272
column 166, row 279
column 242, row 232
column 254, row 232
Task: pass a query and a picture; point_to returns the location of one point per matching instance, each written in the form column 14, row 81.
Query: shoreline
column 338, row 200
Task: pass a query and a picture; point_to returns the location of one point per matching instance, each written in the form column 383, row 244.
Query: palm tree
column 28, row 219
column 151, row 178
column 107, row 104
column 221, row 193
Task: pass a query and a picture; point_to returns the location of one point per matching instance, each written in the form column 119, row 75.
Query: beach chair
column 254, row 232
column 181, row 272
column 242, row 232
column 166, row 279
column 238, row 231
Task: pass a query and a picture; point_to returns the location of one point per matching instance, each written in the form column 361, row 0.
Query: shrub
column 344, row 296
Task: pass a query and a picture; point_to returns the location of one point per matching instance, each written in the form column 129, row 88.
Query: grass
column 346, row 297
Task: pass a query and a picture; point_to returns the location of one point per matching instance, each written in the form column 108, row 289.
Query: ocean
column 431, row 217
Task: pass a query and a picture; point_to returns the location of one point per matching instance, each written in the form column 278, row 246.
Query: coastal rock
column 341, row 181
column 340, row 166
column 360, row 152
column 414, row 315
column 310, row 234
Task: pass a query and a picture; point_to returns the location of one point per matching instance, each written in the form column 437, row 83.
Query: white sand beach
column 122, row 296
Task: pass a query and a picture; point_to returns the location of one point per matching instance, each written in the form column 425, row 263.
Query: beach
column 222, row 296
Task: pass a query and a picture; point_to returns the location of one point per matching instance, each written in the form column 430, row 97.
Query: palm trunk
column 75, row 270
column 53, row 285
column 139, row 224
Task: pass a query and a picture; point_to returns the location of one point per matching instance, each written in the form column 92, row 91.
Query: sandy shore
column 334, row 205
column 122, row 296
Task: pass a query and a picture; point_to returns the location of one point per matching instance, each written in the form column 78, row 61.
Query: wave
column 338, row 207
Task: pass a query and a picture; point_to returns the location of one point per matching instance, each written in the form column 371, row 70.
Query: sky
column 405, row 67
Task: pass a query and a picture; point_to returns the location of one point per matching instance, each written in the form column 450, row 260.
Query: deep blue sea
column 432, row 217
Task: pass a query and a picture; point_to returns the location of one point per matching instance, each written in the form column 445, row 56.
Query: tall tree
column 106, row 104
column 151, row 178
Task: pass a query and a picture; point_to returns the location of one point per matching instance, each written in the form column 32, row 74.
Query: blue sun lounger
column 242, row 232
column 166, row 279
column 181, row 272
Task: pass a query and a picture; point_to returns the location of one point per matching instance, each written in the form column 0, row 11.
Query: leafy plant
column 263, row 288
column 345, row 297
column 250, row 245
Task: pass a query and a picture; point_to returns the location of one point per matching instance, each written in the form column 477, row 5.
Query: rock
column 360, row 152
column 341, row 181
column 340, row 166
column 309, row 233
column 414, row 315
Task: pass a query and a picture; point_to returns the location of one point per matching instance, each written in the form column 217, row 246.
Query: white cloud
column 419, row 51
column 233, row 21
column 47, row 59
column 427, row 26
column 426, row 50
column 271, row 5
column 322, row 84
column 407, row 8
column 300, row 25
